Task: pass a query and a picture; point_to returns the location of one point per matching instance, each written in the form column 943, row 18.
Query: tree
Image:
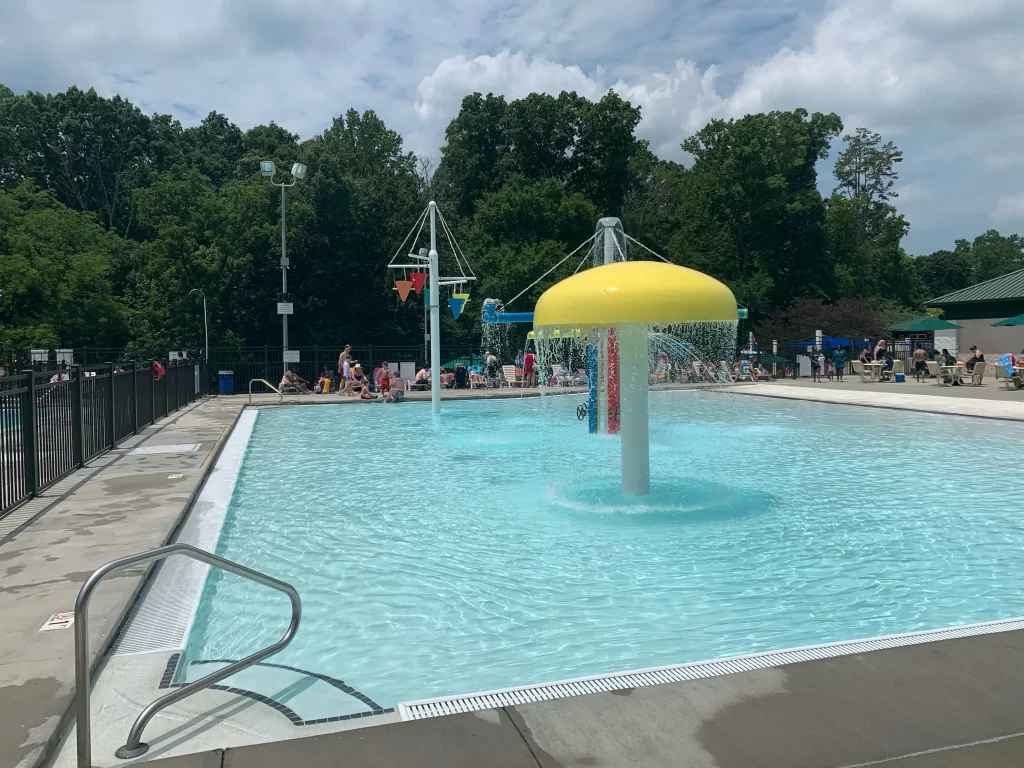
column 993, row 255
column 755, row 183
column 55, row 268
column 943, row 272
column 866, row 172
column 850, row 318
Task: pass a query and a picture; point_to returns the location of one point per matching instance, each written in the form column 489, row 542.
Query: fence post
column 266, row 362
column 369, row 358
column 111, row 421
column 152, row 395
column 28, row 434
column 135, row 397
column 76, row 416
column 167, row 387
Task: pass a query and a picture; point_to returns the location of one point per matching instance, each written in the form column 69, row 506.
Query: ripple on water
column 492, row 547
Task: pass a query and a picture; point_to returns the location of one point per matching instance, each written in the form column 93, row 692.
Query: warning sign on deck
column 58, row 621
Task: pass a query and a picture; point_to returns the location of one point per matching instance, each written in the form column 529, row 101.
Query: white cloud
column 944, row 78
column 1009, row 209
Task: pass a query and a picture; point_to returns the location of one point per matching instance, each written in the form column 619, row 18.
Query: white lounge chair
column 1001, row 374
column 897, row 367
column 860, row 370
column 978, row 374
column 940, row 374
column 508, row 375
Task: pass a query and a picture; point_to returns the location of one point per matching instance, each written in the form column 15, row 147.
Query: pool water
column 492, row 548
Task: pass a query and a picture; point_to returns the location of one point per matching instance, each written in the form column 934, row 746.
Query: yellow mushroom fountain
column 615, row 306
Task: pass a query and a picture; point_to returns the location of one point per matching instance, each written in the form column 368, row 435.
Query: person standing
column 920, row 363
column 839, row 361
column 519, row 360
column 530, row 369
column 344, row 358
column 816, row 358
column 880, row 351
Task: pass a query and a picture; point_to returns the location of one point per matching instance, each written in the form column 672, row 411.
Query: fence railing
column 53, row 422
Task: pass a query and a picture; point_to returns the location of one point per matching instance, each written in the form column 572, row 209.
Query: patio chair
column 560, row 376
column 978, row 374
column 860, row 370
column 941, row 376
column 897, row 367
column 1001, row 374
column 508, row 375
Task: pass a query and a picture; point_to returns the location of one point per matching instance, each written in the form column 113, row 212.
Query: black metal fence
column 53, row 422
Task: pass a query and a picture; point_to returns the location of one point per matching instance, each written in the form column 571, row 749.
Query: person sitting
column 947, row 359
column 447, row 379
column 291, row 380
column 422, row 380
column 976, row 357
column 396, row 389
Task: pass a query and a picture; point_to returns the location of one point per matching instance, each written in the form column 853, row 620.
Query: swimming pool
column 492, row 548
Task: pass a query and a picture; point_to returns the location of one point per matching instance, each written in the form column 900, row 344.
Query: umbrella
column 1018, row 320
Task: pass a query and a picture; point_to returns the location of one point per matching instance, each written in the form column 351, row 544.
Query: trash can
column 226, row 381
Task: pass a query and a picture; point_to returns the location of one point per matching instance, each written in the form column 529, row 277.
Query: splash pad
column 613, row 310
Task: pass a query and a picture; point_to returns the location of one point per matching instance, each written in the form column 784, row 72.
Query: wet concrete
column 128, row 505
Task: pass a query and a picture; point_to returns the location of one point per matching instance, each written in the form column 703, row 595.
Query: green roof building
column 976, row 308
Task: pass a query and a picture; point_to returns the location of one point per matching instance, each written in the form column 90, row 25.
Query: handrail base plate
column 126, row 753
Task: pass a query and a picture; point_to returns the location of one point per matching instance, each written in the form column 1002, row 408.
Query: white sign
column 285, row 308
column 291, row 356
column 58, row 621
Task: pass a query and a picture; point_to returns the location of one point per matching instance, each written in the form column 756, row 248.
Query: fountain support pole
column 611, row 358
column 633, row 425
column 435, row 319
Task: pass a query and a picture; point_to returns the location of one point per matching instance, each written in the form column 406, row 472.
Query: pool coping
column 677, row 673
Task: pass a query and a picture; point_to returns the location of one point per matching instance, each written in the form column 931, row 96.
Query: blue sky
column 944, row 79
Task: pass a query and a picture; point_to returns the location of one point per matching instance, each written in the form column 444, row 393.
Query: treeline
column 110, row 217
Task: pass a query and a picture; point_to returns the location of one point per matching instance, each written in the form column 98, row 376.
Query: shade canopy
column 648, row 292
column 1018, row 320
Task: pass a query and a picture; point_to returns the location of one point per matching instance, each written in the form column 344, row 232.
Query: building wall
column 948, row 340
column 992, row 341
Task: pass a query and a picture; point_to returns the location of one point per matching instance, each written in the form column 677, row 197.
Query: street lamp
column 268, row 169
column 206, row 327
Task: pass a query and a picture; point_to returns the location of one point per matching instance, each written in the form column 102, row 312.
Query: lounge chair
column 978, row 374
column 561, row 377
column 897, row 367
column 940, row 374
column 1001, row 374
column 508, row 375
column 860, row 370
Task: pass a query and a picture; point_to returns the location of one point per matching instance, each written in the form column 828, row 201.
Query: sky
column 944, row 79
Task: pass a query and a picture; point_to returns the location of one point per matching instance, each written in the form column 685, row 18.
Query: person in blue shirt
column 839, row 361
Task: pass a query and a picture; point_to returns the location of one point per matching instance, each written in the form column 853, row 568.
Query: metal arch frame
column 134, row 746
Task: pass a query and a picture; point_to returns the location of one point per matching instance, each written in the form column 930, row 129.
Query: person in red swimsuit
column 530, row 369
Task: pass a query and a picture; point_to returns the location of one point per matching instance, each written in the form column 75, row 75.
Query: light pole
column 206, row 326
column 268, row 169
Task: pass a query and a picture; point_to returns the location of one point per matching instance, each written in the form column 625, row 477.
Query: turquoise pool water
column 492, row 548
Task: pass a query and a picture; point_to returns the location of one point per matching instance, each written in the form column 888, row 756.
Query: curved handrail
column 134, row 747
column 253, row 381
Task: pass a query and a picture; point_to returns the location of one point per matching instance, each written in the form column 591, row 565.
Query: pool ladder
column 271, row 386
column 134, row 746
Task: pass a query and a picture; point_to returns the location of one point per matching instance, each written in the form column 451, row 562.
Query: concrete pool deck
column 125, row 503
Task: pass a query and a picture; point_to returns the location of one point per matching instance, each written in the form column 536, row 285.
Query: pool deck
column 841, row 712
column 948, row 704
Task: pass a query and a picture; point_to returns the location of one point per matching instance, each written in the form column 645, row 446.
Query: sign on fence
column 292, row 356
column 285, row 308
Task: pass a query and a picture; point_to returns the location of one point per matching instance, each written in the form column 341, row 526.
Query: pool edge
column 678, row 673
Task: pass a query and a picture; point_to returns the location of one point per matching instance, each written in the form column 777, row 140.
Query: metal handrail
column 253, row 381
column 134, row 746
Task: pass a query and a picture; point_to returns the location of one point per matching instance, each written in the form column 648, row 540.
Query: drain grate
column 678, row 673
